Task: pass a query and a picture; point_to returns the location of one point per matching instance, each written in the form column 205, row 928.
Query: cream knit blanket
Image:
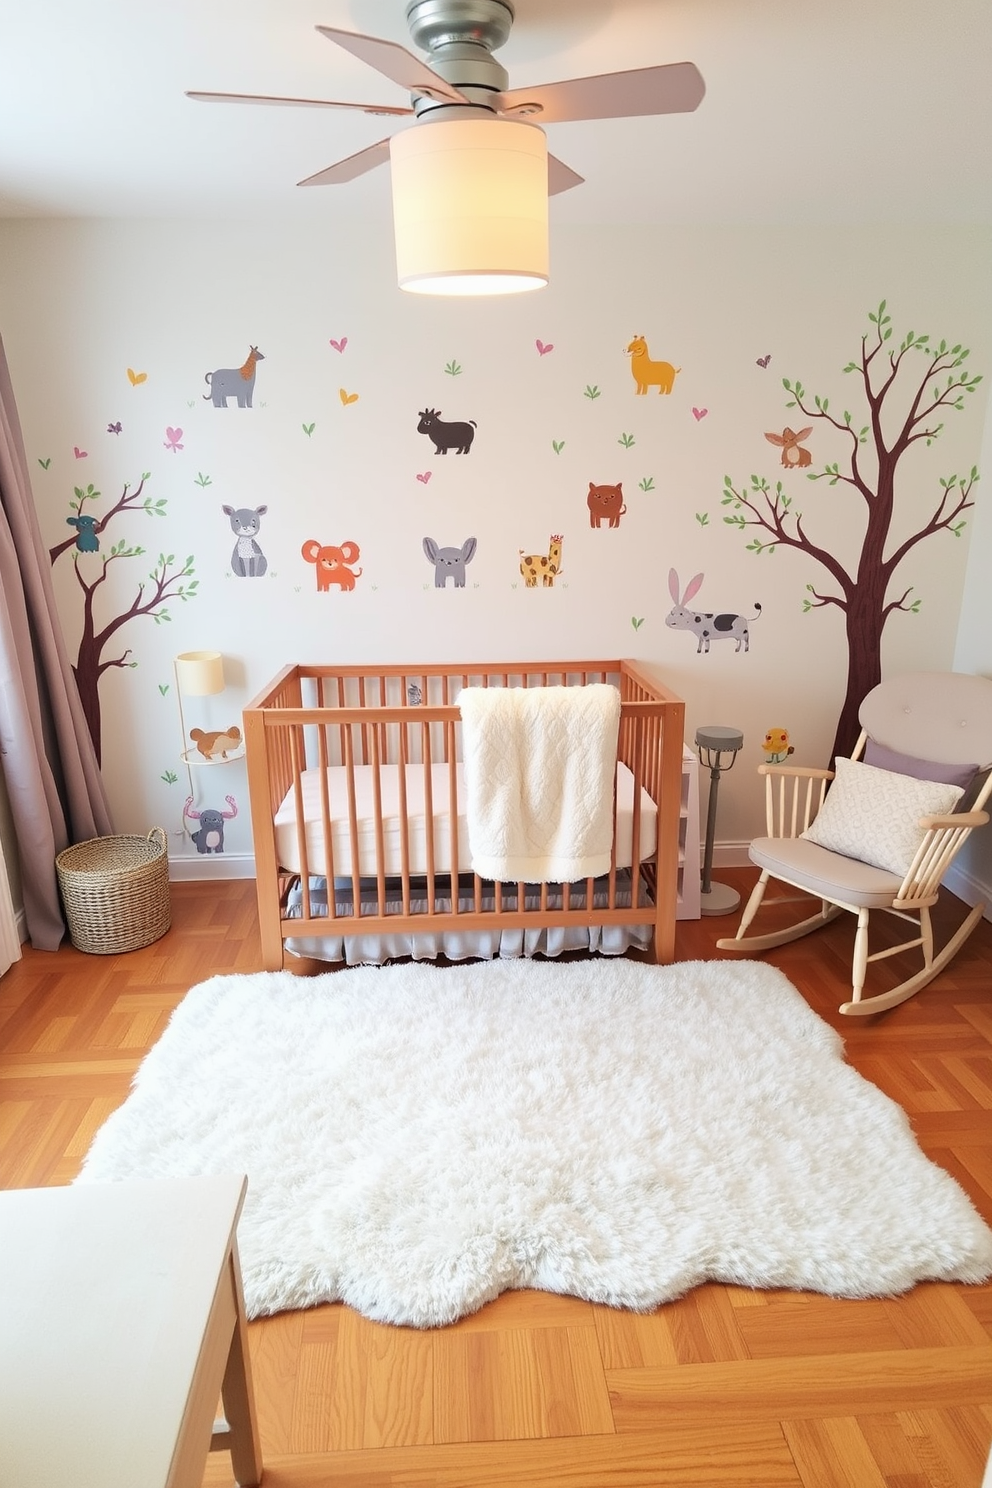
column 540, row 771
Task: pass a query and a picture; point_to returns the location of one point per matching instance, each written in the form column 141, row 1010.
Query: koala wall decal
column 87, row 540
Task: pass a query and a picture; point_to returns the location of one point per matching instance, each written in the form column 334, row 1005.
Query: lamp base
column 720, row 900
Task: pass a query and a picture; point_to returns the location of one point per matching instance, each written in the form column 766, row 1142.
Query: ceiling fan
column 463, row 79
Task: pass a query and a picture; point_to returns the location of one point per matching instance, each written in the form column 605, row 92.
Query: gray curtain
column 49, row 764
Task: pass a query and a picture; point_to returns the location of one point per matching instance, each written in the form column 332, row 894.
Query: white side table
column 121, row 1324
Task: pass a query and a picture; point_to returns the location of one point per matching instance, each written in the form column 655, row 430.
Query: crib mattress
column 287, row 845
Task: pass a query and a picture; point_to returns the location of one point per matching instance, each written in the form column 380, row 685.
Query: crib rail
column 313, row 717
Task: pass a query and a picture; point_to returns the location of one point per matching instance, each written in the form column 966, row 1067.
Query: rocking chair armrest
column 796, row 772
column 952, row 820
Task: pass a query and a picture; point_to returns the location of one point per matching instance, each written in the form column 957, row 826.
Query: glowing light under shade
column 470, row 207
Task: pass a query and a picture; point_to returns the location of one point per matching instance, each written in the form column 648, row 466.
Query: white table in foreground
column 121, row 1323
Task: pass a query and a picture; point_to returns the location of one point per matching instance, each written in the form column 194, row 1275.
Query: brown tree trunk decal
column 904, row 407
column 92, row 567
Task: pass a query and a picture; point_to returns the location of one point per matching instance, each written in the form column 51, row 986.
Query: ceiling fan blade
column 365, row 108
column 561, row 177
column 676, row 88
column 352, row 166
column 396, row 63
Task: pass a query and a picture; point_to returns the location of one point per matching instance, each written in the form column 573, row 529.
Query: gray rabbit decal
column 704, row 624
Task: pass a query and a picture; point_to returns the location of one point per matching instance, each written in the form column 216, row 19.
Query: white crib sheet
column 287, row 847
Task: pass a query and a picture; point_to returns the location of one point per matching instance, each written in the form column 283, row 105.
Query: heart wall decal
column 136, row 378
column 339, row 345
column 346, row 397
column 699, row 413
column 423, row 479
column 543, row 347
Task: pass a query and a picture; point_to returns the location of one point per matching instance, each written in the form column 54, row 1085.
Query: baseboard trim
column 729, row 854
column 205, row 866
column 969, row 888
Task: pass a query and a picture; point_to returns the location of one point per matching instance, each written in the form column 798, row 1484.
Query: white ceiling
column 867, row 111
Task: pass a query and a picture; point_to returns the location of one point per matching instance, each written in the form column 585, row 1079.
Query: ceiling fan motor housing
column 461, row 36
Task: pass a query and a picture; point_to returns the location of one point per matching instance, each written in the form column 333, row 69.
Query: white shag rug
column 419, row 1139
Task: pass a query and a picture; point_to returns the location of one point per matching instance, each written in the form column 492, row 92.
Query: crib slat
column 296, row 754
column 452, row 762
column 404, row 819
column 380, row 841
column 429, row 817
column 327, row 828
column 349, row 764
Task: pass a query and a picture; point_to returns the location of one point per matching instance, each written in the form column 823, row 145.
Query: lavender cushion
column 904, row 764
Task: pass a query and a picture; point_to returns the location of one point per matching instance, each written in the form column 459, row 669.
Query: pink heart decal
column 423, row 479
column 763, row 361
column 79, row 454
column 699, row 413
column 543, row 347
column 339, row 345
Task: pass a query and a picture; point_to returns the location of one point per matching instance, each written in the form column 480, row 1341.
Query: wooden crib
column 355, row 780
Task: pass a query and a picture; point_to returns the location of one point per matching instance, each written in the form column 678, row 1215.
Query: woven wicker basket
column 116, row 892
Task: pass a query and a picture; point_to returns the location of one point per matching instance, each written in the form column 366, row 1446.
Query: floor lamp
column 718, row 748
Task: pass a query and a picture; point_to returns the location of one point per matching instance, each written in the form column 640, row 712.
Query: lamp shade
column 200, row 673
column 470, row 206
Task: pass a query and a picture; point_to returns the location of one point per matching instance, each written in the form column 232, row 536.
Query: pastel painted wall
column 111, row 328
column 972, row 873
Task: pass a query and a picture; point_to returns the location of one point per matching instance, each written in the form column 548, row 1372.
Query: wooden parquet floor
column 724, row 1387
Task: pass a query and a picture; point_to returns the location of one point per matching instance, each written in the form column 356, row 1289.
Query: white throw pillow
column 873, row 815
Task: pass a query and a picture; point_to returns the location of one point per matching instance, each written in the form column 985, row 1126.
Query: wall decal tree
column 904, row 404
column 167, row 581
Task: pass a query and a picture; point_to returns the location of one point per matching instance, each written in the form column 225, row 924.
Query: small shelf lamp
column 198, row 674
column 470, row 204
column 718, row 748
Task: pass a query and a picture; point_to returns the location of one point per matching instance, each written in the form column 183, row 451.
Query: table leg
column 238, row 1397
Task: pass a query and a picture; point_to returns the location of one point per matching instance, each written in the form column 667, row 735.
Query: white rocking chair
column 882, row 840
